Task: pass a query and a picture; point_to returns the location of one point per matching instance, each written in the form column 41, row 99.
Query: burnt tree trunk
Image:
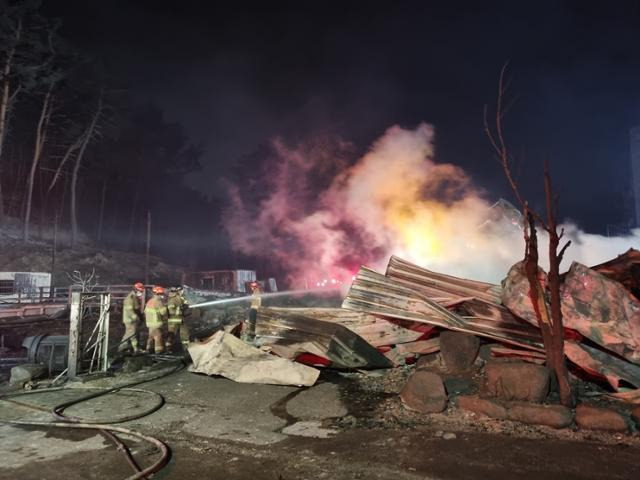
column 103, row 199
column 559, row 364
column 5, row 100
column 536, row 290
column 41, row 135
column 549, row 315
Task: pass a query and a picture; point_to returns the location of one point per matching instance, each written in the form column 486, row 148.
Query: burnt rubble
column 483, row 329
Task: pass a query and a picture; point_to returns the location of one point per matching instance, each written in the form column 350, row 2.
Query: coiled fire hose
column 104, row 426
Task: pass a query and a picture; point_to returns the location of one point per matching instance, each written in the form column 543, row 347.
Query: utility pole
column 148, row 248
column 101, row 216
column 53, row 254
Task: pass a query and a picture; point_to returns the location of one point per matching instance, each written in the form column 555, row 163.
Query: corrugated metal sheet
column 374, row 293
column 439, row 286
column 378, row 331
column 344, row 348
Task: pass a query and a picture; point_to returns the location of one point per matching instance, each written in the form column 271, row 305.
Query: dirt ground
column 361, row 454
column 220, row 429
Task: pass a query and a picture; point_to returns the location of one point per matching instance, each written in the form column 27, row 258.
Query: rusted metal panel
column 376, row 330
column 625, row 269
column 344, row 348
column 439, row 286
column 378, row 294
column 598, row 362
column 525, row 355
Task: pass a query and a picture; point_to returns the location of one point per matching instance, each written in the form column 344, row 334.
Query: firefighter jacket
column 155, row 312
column 256, row 300
column 131, row 308
column 176, row 304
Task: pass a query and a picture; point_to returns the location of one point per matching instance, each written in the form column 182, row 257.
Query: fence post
column 75, row 328
column 105, row 306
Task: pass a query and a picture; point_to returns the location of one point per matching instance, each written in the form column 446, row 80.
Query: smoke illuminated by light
column 394, row 200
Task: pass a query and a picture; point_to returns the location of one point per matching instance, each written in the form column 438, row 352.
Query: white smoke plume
column 394, row 200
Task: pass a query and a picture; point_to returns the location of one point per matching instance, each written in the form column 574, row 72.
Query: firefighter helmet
column 139, row 286
column 158, row 290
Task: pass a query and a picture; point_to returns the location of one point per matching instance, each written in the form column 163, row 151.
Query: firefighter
column 131, row 309
column 155, row 314
column 249, row 330
column 176, row 306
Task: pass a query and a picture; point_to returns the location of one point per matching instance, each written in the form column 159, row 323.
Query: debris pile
column 391, row 319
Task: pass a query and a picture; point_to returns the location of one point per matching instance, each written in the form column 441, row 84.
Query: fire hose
column 104, row 426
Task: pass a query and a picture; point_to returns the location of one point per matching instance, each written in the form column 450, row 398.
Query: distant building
column 228, row 281
column 23, row 286
column 220, row 280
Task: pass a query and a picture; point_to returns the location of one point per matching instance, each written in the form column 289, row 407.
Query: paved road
column 220, row 429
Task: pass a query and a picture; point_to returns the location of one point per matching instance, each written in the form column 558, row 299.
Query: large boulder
column 424, row 392
column 556, row 416
column 459, row 350
column 594, row 418
column 482, row 406
column 516, row 381
column 26, row 372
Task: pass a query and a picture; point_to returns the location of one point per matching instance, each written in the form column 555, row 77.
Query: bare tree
column 26, row 55
column 41, row 135
column 8, row 95
column 86, row 281
column 88, row 134
column 71, row 149
column 549, row 314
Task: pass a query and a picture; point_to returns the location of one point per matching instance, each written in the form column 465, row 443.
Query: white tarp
column 226, row 355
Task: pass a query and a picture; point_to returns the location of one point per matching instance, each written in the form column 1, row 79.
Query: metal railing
column 34, row 295
column 62, row 294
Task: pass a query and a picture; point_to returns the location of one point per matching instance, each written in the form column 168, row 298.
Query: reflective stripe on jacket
column 155, row 313
column 130, row 308
column 175, row 302
column 256, row 300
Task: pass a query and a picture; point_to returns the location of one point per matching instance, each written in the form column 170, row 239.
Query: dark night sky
column 237, row 75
